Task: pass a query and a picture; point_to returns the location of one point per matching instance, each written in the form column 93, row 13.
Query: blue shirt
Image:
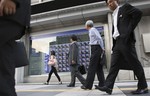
column 95, row 37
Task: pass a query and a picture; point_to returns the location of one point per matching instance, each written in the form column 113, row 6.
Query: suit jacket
column 128, row 18
column 22, row 15
column 73, row 53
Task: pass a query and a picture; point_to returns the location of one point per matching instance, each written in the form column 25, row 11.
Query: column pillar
column 108, row 39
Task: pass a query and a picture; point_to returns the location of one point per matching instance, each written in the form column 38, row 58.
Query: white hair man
column 97, row 48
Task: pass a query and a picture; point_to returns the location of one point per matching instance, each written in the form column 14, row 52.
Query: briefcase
column 20, row 54
column 82, row 69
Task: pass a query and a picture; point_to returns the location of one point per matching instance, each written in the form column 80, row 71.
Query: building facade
column 52, row 25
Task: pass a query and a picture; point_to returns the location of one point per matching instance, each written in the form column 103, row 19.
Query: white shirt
column 115, row 20
column 73, row 42
column 95, row 37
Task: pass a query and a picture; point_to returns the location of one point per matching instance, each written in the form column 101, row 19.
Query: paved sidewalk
column 54, row 89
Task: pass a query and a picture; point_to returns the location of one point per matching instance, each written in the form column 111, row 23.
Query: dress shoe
column 60, row 82
column 83, row 87
column 46, row 83
column 70, row 85
column 105, row 89
column 140, row 91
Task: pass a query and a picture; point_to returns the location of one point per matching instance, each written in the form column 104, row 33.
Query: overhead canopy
column 58, row 4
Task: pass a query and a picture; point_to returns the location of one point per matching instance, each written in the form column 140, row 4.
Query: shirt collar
column 116, row 10
column 73, row 42
column 91, row 28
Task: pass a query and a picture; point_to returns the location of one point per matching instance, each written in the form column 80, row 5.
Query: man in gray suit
column 74, row 62
column 14, row 19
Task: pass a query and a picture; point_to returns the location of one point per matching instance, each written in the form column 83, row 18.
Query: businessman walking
column 14, row 18
column 95, row 66
column 74, row 62
column 125, row 19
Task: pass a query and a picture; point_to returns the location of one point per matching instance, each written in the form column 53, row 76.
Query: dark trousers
column 75, row 73
column 8, row 32
column 95, row 67
column 53, row 70
column 128, row 52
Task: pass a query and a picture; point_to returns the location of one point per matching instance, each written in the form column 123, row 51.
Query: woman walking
column 54, row 66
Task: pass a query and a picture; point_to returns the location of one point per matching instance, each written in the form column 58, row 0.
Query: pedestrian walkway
column 54, row 89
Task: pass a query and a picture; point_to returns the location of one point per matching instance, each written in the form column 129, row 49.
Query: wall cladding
column 62, row 55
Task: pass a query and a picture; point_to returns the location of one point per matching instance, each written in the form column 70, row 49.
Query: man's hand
column 7, row 7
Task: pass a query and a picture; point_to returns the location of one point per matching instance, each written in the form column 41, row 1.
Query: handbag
column 82, row 69
column 20, row 54
column 52, row 61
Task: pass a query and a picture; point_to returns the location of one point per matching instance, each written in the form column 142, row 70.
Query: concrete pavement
column 54, row 89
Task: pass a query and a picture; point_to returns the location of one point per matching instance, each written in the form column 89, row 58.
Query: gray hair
column 89, row 23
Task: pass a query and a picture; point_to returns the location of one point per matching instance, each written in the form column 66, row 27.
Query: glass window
column 59, row 42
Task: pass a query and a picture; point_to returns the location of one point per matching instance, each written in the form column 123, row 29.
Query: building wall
column 142, row 28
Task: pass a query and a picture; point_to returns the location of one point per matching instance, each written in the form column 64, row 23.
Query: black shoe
column 96, row 86
column 60, row 83
column 105, row 89
column 70, row 85
column 46, row 83
column 83, row 87
column 140, row 91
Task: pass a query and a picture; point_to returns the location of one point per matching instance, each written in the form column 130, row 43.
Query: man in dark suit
column 125, row 19
column 74, row 62
column 14, row 19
